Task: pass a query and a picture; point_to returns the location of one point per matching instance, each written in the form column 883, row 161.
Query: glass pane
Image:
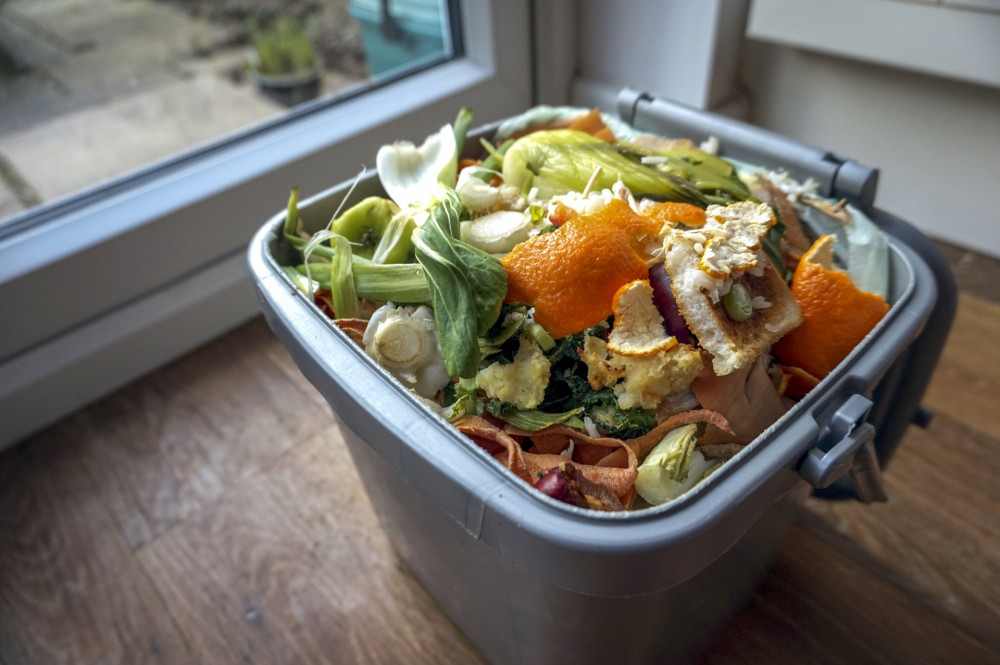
column 94, row 89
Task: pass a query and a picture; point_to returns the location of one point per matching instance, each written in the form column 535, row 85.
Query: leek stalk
column 393, row 282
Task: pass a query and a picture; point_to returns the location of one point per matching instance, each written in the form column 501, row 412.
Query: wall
column 936, row 141
column 686, row 51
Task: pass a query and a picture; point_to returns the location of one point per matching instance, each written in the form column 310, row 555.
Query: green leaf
column 715, row 178
column 532, row 420
column 564, row 160
column 461, row 398
column 467, row 286
column 447, row 214
column 462, row 123
column 396, row 242
column 512, row 318
column 281, row 46
column 489, row 283
column 451, row 300
column 301, row 281
column 291, row 225
column 494, row 160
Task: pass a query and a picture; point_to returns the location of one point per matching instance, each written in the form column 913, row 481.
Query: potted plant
column 283, row 62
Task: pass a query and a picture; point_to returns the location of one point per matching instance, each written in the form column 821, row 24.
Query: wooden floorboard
column 208, row 513
column 175, row 440
column 292, row 567
column 966, row 385
column 71, row 589
column 819, row 606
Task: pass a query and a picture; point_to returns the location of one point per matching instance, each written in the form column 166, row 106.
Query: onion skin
column 556, row 484
column 663, row 297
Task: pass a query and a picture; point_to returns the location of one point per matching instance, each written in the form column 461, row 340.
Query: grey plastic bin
column 532, row 580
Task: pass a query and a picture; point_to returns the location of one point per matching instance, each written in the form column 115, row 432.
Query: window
column 100, row 287
column 113, row 86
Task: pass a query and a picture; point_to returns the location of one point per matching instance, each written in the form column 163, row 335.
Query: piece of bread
column 699, row 295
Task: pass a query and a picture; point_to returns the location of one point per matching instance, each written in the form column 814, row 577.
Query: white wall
column 936, row 141
column 685, row 51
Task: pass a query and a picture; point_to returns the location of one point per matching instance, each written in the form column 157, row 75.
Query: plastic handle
column 852, row 451
column 836, row 176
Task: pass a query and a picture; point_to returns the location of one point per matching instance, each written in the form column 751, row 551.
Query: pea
column 737, row 303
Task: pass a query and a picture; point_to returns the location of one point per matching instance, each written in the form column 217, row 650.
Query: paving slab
column 74, row 54
column 100, row 142
column 97, row 88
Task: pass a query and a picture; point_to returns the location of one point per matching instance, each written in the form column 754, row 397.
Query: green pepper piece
column 364, row 224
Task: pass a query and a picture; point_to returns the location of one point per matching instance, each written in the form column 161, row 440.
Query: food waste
column 612, row 315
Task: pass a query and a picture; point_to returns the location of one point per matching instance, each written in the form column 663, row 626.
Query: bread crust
column 732, row 344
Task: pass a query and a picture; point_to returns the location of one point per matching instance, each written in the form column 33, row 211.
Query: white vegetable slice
column 411, row 175
column 404, row 341
column 672, row 467
column 477, row 196
column 498, row 232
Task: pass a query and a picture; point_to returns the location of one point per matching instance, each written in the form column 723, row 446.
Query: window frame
column 104, row 286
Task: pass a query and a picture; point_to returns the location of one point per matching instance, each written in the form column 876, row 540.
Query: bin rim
column 503, row 495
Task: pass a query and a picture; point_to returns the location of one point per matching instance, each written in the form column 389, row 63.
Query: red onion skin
column 663, row 298
column 556, row 484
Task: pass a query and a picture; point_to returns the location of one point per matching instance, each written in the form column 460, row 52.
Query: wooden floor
column 209, row 514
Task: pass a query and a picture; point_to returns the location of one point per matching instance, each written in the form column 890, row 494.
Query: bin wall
column 515, row 617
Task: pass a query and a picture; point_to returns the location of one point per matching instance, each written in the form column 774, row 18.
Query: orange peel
column 674, row 213
column 570, row 275
column 836, row 314
column 638, row 330
column 796, row 382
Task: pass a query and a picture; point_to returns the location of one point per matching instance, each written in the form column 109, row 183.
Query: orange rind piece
column 836, row 314
column 570, row 275
column 592, row 123
column 636, row 226
column 674, row 213
column 796, row 382
column 561, row 214
column 638, row 329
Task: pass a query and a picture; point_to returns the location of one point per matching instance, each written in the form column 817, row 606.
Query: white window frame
column 102, row 287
